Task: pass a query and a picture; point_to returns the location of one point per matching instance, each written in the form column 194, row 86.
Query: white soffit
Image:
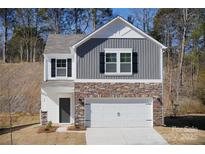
column 117, row 29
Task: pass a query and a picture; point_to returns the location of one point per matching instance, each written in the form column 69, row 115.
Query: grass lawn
column 30, row 136
column 184, row 129
column 18, row 119
column 180, row 136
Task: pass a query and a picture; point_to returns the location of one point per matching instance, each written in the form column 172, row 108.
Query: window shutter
column 53, row 67
column 102, row 62
column 134, row 62
column 69, row 67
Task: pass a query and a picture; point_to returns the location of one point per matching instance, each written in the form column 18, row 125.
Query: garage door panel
column 114, row 113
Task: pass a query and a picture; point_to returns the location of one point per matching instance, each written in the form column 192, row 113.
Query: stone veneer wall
column 44, row 119
column 87, row 90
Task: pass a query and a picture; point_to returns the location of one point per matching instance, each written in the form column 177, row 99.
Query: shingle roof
column 57, row 43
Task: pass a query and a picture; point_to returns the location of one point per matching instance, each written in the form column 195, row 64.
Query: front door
column 64, row 110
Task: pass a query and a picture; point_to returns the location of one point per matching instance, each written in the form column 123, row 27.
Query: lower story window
column 61, row 67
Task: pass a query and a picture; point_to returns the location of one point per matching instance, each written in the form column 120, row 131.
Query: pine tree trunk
column 3, row 52
column 94, row 18
column 76, row 21
column 5, row 36
column 57, row 24
column 31, row 53
column 27, row 53
column 192, row 77
column 144, row 20
column 34, row 53
column 21, row 53
column 179, row 80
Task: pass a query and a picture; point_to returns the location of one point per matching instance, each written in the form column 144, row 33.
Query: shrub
column 48, row 126
column 191, row 107
column 200, row 92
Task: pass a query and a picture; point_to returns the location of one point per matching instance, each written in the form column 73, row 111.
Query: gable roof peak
column 127, row 23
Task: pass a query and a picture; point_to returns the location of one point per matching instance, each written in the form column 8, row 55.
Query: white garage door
column 124, row 112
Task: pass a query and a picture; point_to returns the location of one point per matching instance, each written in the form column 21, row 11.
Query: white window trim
column 62, row 77
column 118, row 51
column 47, row 66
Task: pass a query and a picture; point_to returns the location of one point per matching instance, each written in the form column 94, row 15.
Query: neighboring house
column 109, row 78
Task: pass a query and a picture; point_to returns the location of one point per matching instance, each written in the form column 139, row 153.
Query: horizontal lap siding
column 148, row 58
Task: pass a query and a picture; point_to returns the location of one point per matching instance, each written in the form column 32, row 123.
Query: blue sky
column 124, row 12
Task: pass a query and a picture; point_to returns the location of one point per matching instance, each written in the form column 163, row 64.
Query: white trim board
column 123, row 20
column 58, row 55
column 119, row 80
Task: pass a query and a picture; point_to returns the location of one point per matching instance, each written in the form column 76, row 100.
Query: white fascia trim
column 129, row 24
column 122, row 50
column 60, row 55
column 143, row 33
column 93, row 33
column 119, row 80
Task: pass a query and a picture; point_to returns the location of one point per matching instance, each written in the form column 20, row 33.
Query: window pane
column 125, row 67
column 58, row 63
column 61, row 72
column 111, row 67
column 61, row 62
column 125, row 57
column 111, row 57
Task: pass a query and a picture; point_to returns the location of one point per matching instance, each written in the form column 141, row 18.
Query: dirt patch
column 30, row 136
column 189, row 136
column 43, row 129
column 73, row 128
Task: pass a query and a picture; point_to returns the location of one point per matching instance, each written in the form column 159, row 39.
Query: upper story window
column 111, row 62
column 125, row 62
column 61, row 67
column 118, row 61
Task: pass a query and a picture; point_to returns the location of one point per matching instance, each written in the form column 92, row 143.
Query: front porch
column 57, row 102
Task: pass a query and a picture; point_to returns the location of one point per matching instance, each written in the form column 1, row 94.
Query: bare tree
column 181, row 58
column 100, row 16
column 144, row 18
column 6, row 15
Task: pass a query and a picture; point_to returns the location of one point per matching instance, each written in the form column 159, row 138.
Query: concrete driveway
column 123, row 136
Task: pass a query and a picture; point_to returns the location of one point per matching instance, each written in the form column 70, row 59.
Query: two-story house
column 109, row 78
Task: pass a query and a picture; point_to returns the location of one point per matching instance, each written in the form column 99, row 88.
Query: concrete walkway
column 62, row 129
column 123, row 136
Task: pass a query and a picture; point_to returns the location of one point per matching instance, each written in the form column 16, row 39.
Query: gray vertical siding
column 148, row 58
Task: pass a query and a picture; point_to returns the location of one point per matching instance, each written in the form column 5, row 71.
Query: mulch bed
column 74, row 128
column 196, row 121
column 42, row 129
